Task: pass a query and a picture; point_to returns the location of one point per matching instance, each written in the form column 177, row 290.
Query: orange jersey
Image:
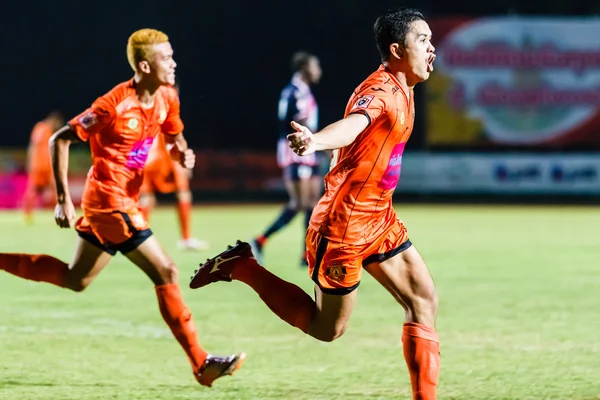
column 357, row 205
column 40, row 152
column 121, row 133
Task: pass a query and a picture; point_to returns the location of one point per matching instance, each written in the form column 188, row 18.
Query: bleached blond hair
column 139, row 45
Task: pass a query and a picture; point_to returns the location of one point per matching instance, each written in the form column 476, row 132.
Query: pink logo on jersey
column 392, row 173
column 136, row 159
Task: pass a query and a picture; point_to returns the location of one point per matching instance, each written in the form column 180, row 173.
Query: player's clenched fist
column 187, row 158
column 301, row 141
column 64, row 214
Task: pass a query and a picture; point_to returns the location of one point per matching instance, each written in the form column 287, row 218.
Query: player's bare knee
column 184, row 196
column 169, row 274
column 306, row 204
column 329, row 334
column 434, row 302
column 77, row 284
column 147, row 200
column 423, row 306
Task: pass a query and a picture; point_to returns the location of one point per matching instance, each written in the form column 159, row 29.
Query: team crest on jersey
column 336, row 272
column 363, row 101
column 132, row 123
column 88, row 120
column 162, row 116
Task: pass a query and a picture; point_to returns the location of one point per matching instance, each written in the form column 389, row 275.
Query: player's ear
column 396, row 50
column 144, row 67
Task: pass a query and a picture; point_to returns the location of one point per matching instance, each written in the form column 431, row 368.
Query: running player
column 38, row 167
column 300, row 174
column 354, row 225
column 121, row 126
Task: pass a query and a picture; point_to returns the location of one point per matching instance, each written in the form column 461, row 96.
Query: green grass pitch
column 519, row 314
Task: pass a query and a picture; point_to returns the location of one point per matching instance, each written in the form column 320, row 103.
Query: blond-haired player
column 121, row 127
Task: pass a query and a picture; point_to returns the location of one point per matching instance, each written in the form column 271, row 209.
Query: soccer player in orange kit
column 121, row 126
column 354, row 225
column 39, row 168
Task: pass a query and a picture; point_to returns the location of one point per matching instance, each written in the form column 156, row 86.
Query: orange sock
column 261, row 240
column 286, row 300
column 145, row 213
column 183, row 211
column 35, row 267
column 178, row 317
column 29, row 203
column 422, row 355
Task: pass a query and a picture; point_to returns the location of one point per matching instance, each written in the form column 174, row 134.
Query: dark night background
column 233, row 57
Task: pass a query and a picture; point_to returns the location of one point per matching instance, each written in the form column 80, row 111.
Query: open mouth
column 430, row 62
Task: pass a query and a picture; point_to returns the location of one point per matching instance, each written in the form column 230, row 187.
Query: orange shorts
column 114, row 231
column 165, row 177
column 337, row 268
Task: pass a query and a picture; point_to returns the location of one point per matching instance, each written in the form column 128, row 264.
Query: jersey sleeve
column 372, row 101
column 93, row 120
column 172, row 125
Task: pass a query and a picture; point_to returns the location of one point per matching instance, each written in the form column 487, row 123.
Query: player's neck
column 400, row 76
column 145, row 91
column 301, row 77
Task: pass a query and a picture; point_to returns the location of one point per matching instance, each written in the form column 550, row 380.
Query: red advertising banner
column 515, row 82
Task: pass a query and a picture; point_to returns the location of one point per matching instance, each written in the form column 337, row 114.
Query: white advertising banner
column 500, row 173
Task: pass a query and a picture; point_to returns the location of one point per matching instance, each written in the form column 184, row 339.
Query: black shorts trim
column 137, row 238
column 292, row 172
column 387, row 255
column 321, row 249
column 340, row 291
column 133, row 242
column 92, row 239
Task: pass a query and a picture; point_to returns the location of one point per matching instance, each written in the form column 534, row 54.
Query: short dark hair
column 300, row 60
column 392, row 27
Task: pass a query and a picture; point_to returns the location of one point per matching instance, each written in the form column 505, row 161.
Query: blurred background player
column 301, row 175
column 38, row 167
column 164, row 175
column 121, row 127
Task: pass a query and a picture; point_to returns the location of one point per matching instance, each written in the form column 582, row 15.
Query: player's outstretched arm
column 59, row 151
column 337, row 135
